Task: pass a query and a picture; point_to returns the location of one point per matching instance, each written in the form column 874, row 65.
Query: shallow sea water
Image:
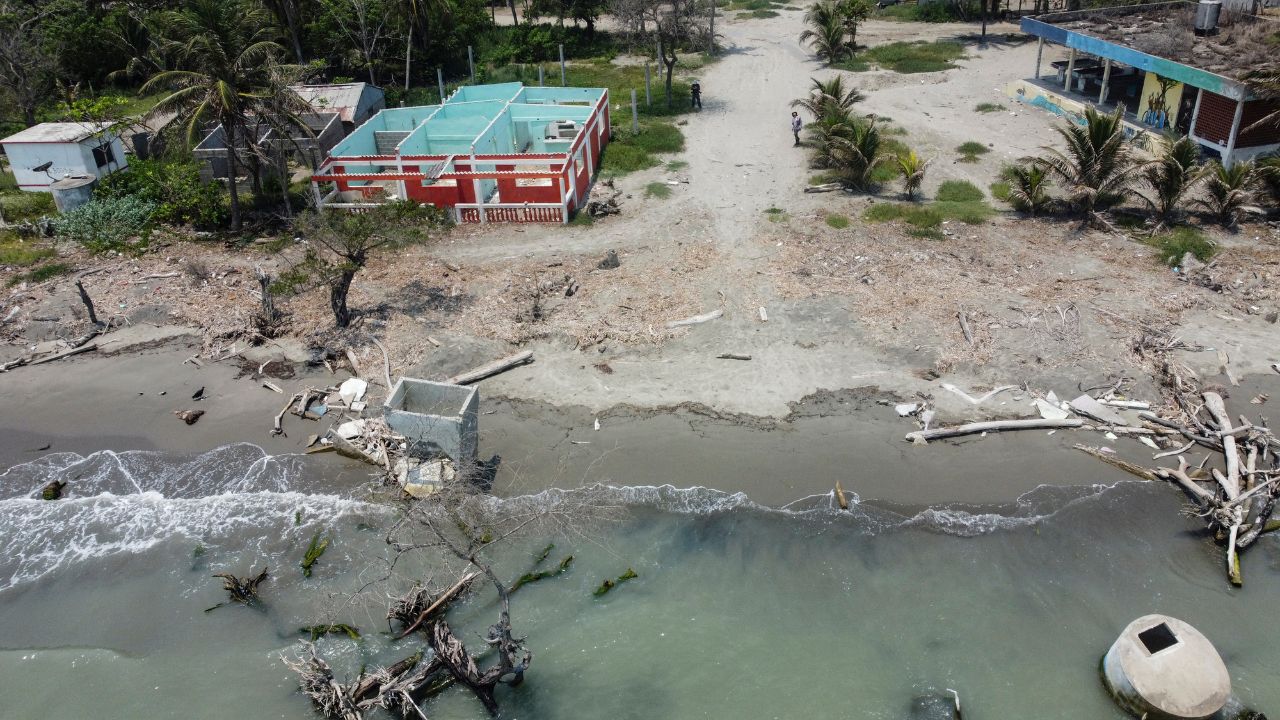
column 739, row 611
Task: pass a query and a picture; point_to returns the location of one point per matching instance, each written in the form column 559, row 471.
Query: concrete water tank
column 435, row 417
column 1207, row 11
column 1161, row 668
column 72, row 192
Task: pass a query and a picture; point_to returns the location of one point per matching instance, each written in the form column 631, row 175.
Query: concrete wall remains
column 436, row 418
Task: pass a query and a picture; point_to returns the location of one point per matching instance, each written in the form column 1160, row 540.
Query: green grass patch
column 822, row 178
column 897, row 13
column 930, row 215
column 959, row 191
column 926, row 233
column 658, row 190
column 622, row 79
column 970, row 151
column 761, row 14
column 1000, row 190
column 582, row 219
column 837, row 221
column 1174, row 244
column 14, row 251
column 775, row 214
column 18, row 205
column 8, row 183
column 907, row 57
column 987, row 107
column 42, row 273
column 676, row 165
column 635, row 151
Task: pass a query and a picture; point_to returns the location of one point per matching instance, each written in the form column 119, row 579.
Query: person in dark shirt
column 695, row 95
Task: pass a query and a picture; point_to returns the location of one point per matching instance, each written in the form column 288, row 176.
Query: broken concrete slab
column 435, row 418
column 1090, row 408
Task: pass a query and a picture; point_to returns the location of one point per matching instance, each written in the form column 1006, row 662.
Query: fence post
column 648, row 97
column 635, row 115
column 711, row 37
column 562, row 75
column 440, row 83
column 471, row 62
column 541, row 82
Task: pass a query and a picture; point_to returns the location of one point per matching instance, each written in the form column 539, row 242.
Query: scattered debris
column 352, row 389
column 53, row 491
column 189, row 416
column 315, row 549
column 733, row 356
column 317, row 631
column 1090, row 408
column 906, row 409
column 824, row 187
column 610, row 261
column 922, row 436
column 977, row 401
column 608, row 585
column 241, row 590
column 272, row 386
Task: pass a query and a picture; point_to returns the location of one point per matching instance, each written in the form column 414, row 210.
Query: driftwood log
column 493, row 368
column 992, row 426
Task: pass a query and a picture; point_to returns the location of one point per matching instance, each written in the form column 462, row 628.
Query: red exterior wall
column 1217, row 112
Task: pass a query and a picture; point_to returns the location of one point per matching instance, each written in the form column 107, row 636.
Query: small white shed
column 43, row 154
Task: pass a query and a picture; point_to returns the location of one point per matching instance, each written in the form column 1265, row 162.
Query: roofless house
column 1175, row 67
column 490, row 153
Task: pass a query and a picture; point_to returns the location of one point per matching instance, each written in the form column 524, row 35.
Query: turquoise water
column 739, row 611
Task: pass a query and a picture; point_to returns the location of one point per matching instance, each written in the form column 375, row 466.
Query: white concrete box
column 436, row 417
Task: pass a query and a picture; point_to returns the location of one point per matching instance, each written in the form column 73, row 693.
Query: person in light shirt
column 796, row 126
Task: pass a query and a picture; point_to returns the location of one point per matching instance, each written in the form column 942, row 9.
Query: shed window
column 103, row 155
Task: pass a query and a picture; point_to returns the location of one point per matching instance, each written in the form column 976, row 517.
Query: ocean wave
column 41, row 538
column 236, row 468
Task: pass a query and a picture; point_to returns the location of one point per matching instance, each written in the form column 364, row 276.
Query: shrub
column 175, row 188
column 973, row 147
column 987, row 107
column 881, row 212
column 838, row 222
column 1000, row 190
column 1171, row 177
column 1176, row 243
column 959, row 191
column 109, row 224
column 531, row 43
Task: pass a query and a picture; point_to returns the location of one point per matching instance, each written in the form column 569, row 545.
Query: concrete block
column 1161, row 668
column 436, row 418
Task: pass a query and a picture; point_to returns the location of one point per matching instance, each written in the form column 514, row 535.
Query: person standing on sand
column 796, row 126
column 695, row 95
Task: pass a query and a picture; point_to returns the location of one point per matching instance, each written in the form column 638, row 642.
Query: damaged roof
column 64, row 132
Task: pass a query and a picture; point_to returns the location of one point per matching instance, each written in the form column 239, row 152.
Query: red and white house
column 490, row 153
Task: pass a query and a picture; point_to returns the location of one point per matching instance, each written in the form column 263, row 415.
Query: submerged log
column 444, row 599
column 241, row 590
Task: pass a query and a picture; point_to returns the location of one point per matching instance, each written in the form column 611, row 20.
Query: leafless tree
column 26, row 67
column 365, row 22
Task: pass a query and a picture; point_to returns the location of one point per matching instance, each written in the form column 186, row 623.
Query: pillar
column 563, row 80
column 472, row 64
column 1235, row 133
column 1039, row 55
column 1071, row 67
column 1195, row 114
column 440, row 83
column 635, row 114
column 1106, row 79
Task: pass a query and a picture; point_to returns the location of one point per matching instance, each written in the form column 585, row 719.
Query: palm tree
column 912, row 169
column 826, row 33
column 856, row 152
column 1228, row 190
column 1098, row 166
column 1172, row 176
column 829, row 95
column 1028, row 187
column 230, row 70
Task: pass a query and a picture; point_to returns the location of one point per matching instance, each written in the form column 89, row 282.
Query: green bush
column 174, row 188
column 959, row 191
column 930, row 215
column 109, row 224
column 838, row 222
column 987, row 107
column 1180, row 241
column 970, row 212
column 20, row 205
column 1000, row 190
column 532, row 43
column 973, row 147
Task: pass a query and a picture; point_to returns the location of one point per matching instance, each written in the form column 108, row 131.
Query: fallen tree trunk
column 493, row 368
column 696, row 319
column 992, row 426
column 1116, row 462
